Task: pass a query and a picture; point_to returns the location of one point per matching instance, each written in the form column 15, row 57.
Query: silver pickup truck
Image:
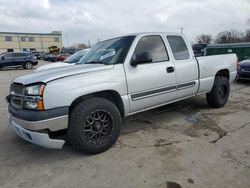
column 117, row 78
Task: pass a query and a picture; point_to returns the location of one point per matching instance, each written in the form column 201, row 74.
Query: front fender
column 63, row 92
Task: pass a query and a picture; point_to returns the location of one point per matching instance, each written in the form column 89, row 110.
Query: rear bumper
column 41, row 139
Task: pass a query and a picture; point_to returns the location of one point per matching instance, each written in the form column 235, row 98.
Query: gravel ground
column 185, row 144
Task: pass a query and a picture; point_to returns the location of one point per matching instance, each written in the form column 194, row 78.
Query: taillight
column 237, row 63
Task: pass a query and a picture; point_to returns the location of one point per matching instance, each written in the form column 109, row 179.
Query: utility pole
column 42, row 42
column 182, row 29
column 67, row 39
column 19, row 43
column 89, row 45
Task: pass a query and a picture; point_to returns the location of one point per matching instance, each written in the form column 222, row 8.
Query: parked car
column 18, row 59
column 71, row 60
column 38, row 55
column 52, row 58
column 243, row 70
column 61, row 57
column 199, row 49
column 117, row 78
column 49, row 57
column 45, row 56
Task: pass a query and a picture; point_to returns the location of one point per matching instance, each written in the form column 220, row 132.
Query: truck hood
column 62, row 72
column 53, row 65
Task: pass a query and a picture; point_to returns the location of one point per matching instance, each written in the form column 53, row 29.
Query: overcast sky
column 83, row 20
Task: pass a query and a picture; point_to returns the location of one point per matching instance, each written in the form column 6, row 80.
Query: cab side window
column 20, row 55
column 9, row 56
column 153, row 45
column 178, row 47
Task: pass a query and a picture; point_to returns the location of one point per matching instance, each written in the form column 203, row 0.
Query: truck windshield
column 76, row 56
column 108, row 52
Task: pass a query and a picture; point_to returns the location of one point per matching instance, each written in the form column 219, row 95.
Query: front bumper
column 53, row 119
column 52, row 124
column 243, row 78
column 41, row 139
column 243, row 75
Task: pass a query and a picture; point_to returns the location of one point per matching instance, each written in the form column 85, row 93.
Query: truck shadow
column 243, row 82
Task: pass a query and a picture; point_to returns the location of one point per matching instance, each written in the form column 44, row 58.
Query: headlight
column 34, row 90
column 34, row 100
column 34, row 105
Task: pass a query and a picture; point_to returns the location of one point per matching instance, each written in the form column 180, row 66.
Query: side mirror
column 144, row 57
column 2, row 58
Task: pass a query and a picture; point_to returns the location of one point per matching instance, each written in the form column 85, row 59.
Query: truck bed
column 208, row 66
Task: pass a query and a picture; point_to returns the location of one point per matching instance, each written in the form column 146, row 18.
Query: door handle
column 170, row 69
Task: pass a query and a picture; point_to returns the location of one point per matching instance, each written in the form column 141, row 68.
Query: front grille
column 16, row 89
column 246, row 69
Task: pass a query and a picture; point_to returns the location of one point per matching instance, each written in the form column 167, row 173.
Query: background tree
column 230, row 36
column 204, row 39
column 81, row 46
column 247, row 36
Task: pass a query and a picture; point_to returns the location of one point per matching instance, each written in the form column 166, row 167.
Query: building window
column 10, row 50
column 8, row 38
column 56, row 39
column 23, row 39
column 31, row 39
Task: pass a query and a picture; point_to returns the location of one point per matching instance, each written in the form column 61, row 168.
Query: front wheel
column 94, row 125
column 28, row 65
column 220, row 92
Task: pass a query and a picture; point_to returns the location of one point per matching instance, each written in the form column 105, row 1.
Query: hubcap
column 98, row 125
column 28, row 65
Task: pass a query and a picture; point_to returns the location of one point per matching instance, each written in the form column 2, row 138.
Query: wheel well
column 223, row 72
column 110, row 95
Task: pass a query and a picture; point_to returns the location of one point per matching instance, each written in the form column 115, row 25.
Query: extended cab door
column 153, row 83
column 185, row 65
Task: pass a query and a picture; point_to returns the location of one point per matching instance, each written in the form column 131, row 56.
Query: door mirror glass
column 144, row 57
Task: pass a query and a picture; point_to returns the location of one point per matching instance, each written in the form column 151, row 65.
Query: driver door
column 8, row 60
column 151, row 83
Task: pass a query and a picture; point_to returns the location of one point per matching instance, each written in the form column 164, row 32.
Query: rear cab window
column 153, row 45
column 178, row 47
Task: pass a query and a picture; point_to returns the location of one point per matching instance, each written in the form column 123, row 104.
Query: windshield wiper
column 95, row 62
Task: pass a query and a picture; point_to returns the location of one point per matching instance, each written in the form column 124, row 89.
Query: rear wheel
column 220, row 92
column 28, row 65
column 94, row 125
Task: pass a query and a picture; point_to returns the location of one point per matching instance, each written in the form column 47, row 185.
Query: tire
column 220, row 92
column 28, row 65
column 87, row 125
